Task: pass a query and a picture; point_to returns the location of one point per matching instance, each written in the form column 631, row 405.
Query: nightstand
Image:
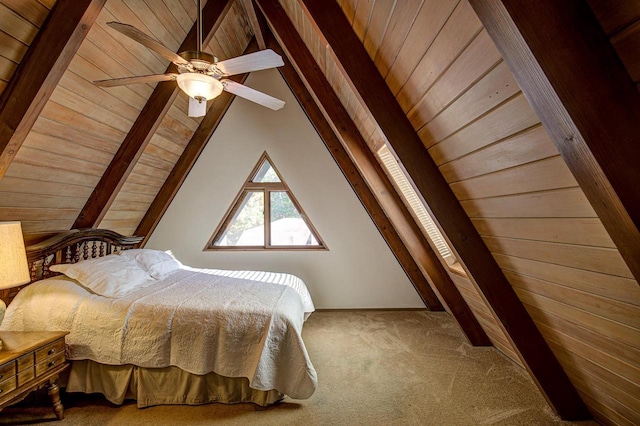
column 28, row 361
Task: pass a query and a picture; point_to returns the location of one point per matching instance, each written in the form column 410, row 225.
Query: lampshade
column 14, row 270
column 199, row 86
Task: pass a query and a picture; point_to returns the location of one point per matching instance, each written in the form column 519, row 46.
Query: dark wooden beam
column 439, row 199
column 145, row 126
column 188, row 158
column 253, row 21
column 344, row 141
column 585, row 98
column 40, row 70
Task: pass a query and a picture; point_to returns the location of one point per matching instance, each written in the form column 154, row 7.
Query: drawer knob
column 52, row 351
column 51, row 364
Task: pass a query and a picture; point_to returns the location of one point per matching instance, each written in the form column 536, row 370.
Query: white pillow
column 157, row 263
column 109, row 276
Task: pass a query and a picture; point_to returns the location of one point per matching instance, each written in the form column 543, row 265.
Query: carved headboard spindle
column 69, row 247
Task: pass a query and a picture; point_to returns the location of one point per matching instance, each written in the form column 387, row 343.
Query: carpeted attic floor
column 374, row 368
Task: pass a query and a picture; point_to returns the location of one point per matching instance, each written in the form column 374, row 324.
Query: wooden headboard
column 70, row 247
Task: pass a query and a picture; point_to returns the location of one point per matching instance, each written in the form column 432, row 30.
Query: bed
column 145, row 327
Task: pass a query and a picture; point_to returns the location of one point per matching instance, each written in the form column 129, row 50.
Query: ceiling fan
column 200, row 75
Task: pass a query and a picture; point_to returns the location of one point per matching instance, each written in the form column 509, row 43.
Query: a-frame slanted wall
column 374, row 94
column 358, row 271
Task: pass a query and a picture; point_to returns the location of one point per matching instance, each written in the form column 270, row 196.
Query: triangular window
column 265, row 216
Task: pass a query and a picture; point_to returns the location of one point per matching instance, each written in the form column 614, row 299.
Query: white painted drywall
column 358, row 271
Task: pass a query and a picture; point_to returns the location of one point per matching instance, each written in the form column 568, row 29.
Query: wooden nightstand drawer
column 49, row 364
column 7, row 370
column 8, row 385
column 30, row 360
column 25, row 362
column 50, row 350
column 25, row 375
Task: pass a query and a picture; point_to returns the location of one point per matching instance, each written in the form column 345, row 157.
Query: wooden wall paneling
column 86, row 107
column 145, row 125
column 595, row 130
column 624, row 313
column 31, row 10
column 428, row 23
column 378, row 22
column 12, row 48
column 613, row 287
column 12, row 199
column 341, row 125
column 570, row 202
column 253, row 20
column 447, row 211
column 104, row 99
column 550, row 173
column 54, row 161
column 458, row 97
column 17, row 186
column 607, row 261
column 507, row 119
column 618, row 357
column 180, row 15
column 460, row 29
column 473, row 63
column 361, row 17
column 68, row 149
column 531, row 144
column 578, row 231
column 89, row 72
column 16, row 26
column 398, row 28
column 601, row 380
column 618, row 332
column 38, row 73
column 7, row 68
column 64, row 116
column 26, row 171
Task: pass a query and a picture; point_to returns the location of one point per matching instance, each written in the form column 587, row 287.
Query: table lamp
column 14, row 270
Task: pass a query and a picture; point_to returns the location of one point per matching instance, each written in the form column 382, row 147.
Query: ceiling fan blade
column 252, row 94
column 132, row 80
column 148, row 41
column 252, row 62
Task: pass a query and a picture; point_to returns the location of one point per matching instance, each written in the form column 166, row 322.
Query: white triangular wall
column 358, row 271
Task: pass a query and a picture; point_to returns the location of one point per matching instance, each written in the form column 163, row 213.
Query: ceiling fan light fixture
column 199, row 86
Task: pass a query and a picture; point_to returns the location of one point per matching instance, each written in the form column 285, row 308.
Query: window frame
column 266, row 188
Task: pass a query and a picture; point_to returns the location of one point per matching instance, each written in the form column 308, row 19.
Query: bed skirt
column 159, row 386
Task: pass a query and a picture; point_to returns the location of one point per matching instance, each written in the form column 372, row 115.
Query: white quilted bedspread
column 194, row 320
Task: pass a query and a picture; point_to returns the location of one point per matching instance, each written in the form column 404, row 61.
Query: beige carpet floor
column 374, row 368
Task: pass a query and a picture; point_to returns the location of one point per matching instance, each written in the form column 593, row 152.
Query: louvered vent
column 414, row 203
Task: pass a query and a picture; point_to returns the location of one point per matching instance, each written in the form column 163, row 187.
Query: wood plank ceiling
column 458, row 94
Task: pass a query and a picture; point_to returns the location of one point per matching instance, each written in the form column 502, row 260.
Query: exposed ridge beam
column 439, row 199
column 584, row 97
column 40, row 70
column 145, row 126
column 255, row 24
column 342, row 138
column 188, row 158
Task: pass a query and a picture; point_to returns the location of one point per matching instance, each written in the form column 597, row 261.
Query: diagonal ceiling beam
column 253, row 21
column 40, row 70
column 188, row 158
column 584, row 97
column 359, row 69
column 344, row 141
column 145, row 125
